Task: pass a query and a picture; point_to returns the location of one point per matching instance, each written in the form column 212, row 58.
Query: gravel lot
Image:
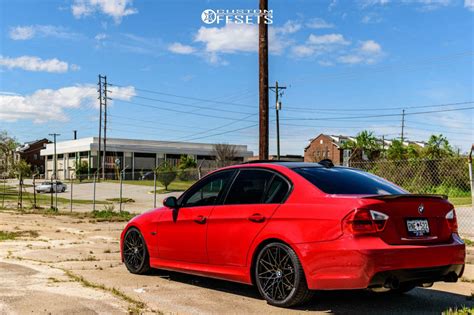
column 73, row 266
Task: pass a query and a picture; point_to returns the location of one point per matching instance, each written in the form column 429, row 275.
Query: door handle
column 257, row 217
column 200, row 219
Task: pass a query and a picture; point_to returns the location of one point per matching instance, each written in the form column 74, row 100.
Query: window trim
column 200, row 183
column 274, row 172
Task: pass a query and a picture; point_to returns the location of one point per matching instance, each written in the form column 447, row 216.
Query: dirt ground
column 66, row 265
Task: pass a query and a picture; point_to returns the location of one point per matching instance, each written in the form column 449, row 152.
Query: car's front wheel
column 135, row 253
column 280, row 277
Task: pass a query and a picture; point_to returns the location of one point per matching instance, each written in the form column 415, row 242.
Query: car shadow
column 419, row 300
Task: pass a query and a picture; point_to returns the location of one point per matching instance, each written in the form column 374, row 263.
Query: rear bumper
column 358, row 263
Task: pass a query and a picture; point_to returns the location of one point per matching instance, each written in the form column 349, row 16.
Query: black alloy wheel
column 280, row 277
column 135, row 253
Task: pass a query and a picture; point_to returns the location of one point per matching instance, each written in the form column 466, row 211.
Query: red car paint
column 336, row 247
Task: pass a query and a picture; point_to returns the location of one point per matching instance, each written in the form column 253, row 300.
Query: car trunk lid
column 413, row 219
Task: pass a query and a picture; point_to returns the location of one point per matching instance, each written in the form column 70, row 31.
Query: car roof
column 286, row 164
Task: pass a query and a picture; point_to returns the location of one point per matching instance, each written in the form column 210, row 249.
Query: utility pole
column 100, row 122
column 75, row 134
column 276, row 88
column 263, row 82
column 53, row 187
column 106, row 98
column 403, row 126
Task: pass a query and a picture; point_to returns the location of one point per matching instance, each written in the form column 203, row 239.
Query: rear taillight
column 452, row 222
column 364, row 221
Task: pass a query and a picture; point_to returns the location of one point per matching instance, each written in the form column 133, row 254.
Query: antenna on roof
column 326, row 163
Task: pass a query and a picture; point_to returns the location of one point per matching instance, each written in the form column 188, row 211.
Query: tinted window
column 277, row 191
column 249, row 187
column 347, row 181
column 207, row 193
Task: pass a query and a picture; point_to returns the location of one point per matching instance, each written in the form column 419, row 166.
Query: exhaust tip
column 392, row 283
column 451, row 277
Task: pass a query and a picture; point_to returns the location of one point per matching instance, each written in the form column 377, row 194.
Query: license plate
column 418, row 227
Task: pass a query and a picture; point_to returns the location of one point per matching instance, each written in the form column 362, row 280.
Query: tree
column 365, row 143
column 438, row 147
column 8, row 145
column 186, row 162
column 82, row 167
column 22, row 169
column 396, row 151
column 165, row 174
column 224, row 153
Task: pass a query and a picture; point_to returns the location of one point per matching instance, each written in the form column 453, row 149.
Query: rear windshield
column 347, row 181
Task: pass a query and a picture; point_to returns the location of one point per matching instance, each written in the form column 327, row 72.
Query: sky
column 347, row 66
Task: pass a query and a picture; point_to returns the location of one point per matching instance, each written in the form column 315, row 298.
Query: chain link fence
column 119, row 193
column 448, row 177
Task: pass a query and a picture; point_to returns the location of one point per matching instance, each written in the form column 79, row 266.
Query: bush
column 165, row 174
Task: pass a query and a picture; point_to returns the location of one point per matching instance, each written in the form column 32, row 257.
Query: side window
column 249, row 187
column 208, row 192
column 277, row 191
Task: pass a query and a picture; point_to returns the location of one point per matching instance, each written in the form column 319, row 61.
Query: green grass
column 124, row 200
column 113, row 216
column 460, row 201
column 177, row 185
column 459, row 311
column 467, row 241
column 5, row 235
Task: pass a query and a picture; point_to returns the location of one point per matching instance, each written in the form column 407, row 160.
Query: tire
column 279, row 276
column 64, row 189
column 135, row 252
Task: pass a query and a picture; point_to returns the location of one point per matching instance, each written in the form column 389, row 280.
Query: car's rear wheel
column 64, row 189
column 135, row 253
column 280, row 277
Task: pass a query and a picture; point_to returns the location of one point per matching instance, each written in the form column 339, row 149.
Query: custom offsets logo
column 237, row 16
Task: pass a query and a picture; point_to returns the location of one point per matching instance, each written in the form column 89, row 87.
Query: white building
column 137, row 155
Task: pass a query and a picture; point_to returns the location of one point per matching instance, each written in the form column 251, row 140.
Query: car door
column 251, row 200
column 182, row 231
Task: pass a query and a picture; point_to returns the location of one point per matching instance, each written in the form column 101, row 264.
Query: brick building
column 30, row 152
column 327, row 147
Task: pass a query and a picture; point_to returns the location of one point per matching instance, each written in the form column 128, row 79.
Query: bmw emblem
column 421, row 209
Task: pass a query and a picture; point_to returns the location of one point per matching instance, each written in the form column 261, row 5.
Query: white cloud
column 229, row 39
column 31, row 63
column 289, row 27
column 100, row 36
column 469, row 4
column 26, row 32
column 371, row 47
column 47, row 104
column 319, row 44
column 116, row 9
column 179, row 48
column 328, row 39
column 371, row 18
column 318, row 23
column 367, row 52
column 22, row 32
column 424, row 5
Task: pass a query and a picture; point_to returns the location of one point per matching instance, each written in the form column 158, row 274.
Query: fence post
column 70, row 202
column 121, row 180
column 34, row 191
column 4, row 190
column 93, row 199
column 471, row 178
column 154, row 189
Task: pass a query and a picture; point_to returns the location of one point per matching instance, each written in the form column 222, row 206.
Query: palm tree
column 438, row 147
column 365, row 143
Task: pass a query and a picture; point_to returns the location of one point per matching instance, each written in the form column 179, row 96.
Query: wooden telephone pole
column 263, row 82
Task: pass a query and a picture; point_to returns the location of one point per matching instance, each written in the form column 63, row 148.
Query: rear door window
column 347, row 181
column 249, row 187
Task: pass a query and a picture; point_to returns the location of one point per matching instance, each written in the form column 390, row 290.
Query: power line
column 188, row 97
column 177, row 111
column 381, row 115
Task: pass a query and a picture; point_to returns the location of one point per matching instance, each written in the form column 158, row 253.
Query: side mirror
column 171, row 202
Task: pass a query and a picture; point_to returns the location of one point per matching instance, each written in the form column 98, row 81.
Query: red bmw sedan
column 292, row 228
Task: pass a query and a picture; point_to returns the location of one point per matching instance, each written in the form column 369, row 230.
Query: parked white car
column 51, row 187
